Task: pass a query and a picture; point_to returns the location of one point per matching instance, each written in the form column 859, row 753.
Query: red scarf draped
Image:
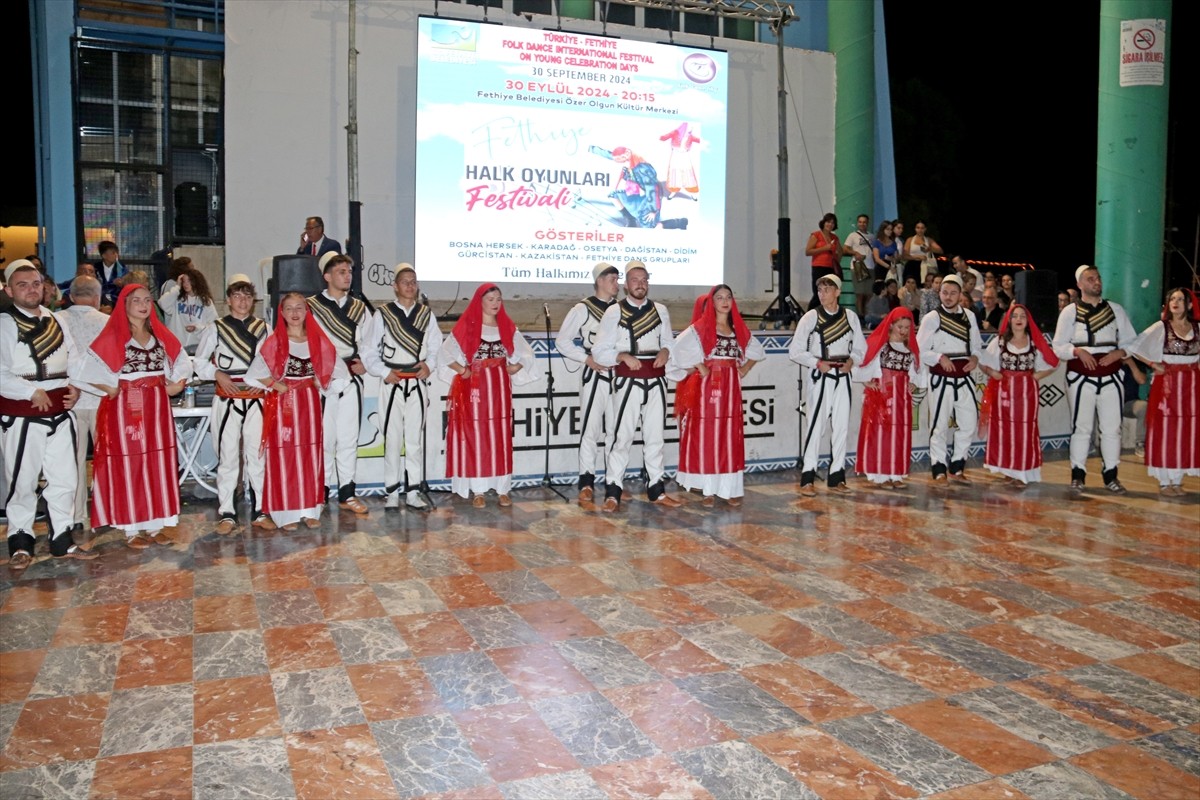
column 1035, row 334
column 468, row 331
column 320, row 349
column 109, row 346
column 882, row 333
column 706, row 323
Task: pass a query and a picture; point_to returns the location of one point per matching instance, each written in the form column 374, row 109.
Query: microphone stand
column 546, row 483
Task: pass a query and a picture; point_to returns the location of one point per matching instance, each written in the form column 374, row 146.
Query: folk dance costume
column 953, row 333
column 135, row 465
column 638, row 396
column 1173, row 413
column 1010, row 403
column 595, row 388
column 681, row 174
column 834, row 339
column 479, row 407
column 1094, row 393
column 235, row 422
column 292, row 429
column 342, row 321
column 885, row 426
column 712, row 445
column 397, row 339
column 84, row 324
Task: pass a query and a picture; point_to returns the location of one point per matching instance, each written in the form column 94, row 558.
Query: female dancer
column 1015, row 361
column 714, row 354
column 892, row 372
column 138, row 365
column 294, row 364
column 485, row 356
column 188, row 308
column 1171, row 347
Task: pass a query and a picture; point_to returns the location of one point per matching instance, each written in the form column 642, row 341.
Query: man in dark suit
column 313, row 241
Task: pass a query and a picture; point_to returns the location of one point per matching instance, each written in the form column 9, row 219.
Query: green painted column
column 1131, row 160
column 852, row 41
column 577, row 9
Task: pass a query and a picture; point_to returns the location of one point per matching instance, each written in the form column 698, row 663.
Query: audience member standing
column 920, row 252
column 111, row 273
column 826, row 252
column 188, row 308
column 313, row 241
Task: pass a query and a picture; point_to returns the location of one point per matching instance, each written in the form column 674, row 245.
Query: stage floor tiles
column 963, row 643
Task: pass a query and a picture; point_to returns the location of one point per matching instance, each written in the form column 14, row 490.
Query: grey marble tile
column 718, row 565
column 737, row 771
column 339, row 571
column 367, row 641
column 616, row 614
column 1076, row 637
column 606, row 662
column 1185, row 653
column 1143, row 693
column 1063, row 781
column 574, row 785
column 8, row 718
column 1097, row 579
column 740, row 704
column 29, row 630
column 518, row 586
column 915, row 759
column 228, row 654
column 941, row 612
column 104, row 590
column 1174, row 624
column 244, row 768
column 400, row 598
column 621, row 577
column 822, row 587
column 316, row 699
column 843, row 628
column 1000, row 566
column 86, row 669
column 866, row 679
column 979, row 658
column 67, row 780
column 908, row 574
column 593, row 730
column 286, row 608
column 1033, row 721
column 437, row 563
column 428, row 754
column 1099, row 709
column 496, row 626
column 468, row 680
column 1178, row 747
column 724, row 601
column 805, row 554
column 1162, row 565
column 152, row 718
column 1029, row 596
column 730, row 644
column 225, row 579
column 464, row 536
column 534, row 555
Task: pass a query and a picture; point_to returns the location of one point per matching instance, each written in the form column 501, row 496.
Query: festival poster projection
column 540, row 153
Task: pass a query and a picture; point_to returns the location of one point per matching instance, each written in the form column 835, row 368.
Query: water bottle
column 189, row 396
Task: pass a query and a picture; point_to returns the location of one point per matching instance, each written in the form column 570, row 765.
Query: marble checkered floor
column 980, row 643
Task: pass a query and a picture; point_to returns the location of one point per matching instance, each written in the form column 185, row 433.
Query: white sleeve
column 95, row 372
column 208, row 315
column 451, row 354
column 666, row 337
column 930, row 325
column 564, row 342
column 371, row 335
column 1149, row 346
column 755, row 350
column 608, row 338
column 685, row 354
column 1126, row 335
column 257, row 371
column 12, row 386
column 181, row 368
column 862, row 373
column 798, row 349
column 858, row 345
column 202, row 364
column 1064, row 331
column 432, row 343
column 991, row 356
column 976, row 339
column 523, row 355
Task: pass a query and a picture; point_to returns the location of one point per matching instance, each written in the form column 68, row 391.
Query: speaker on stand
column 294, row 273
column 1037, row 290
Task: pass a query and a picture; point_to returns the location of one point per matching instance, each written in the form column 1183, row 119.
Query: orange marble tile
column 1027, row 647
column 670, row 654
column 54, row 730
column 896, row 621
column 1176, row 603
column 671, row 718
column 39, row 594
column 955, row 571
column 866, row 580
column 805, row 692
column 648, row 779
column 157, row 775
column 1090, row 546
column 760, row 535
column 538, row 671
column 224, row 613
column 299, row 647
column 1163, row 669
column 1022, row 555
column 581, row 550
column 990, row 605
column 234, row 708
column 338, row 763
column 933, row 672
column 155, row 662
column 555, row 620
column 972, row 737
column 387, row 568
column 1188, row 558
column 831, row 769
column 1153, row 578
column 173, row 584
column 393, row 689
column 995, row 789
column 571, row 581
column 487, row 558
column 434, row 634
column 464, row 591
column 1138, row 773
column 1118, row 627
column 786, row 635
column 355, row 601
column 513, row 743
column 490, row 792
column 1106, row 714
column 671, row 606
column 1080, row 593
column 772, row 593
column 846, row 550
column 18, row 671
column 277, row 576
column 670, row 570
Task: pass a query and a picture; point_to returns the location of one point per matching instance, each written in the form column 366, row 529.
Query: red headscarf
column 706, row 322
column 1035, row 334
column 109, row 346
column 468, row 331
column 882, row 333
column 1189, row 297
column 698, row 308
column 320, row 349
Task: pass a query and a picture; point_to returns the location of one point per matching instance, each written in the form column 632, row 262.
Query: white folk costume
column 35, row 353
column 84, row 323
column 1173, row 412
column 712, row 444
column 396, row 339
column 292, row 437
column 834, row 339
column 1010, row 402
column 235, row 422
column 953, row 333
column 135, row 464
column 479, row 408
column 885, row 426
column 343, row 321
column 595, row 388
column 638, row 396
column 1094, row 394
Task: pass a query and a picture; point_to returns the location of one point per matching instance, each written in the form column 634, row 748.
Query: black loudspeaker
column 294, row 273
column 1037, row 290
column 191, row 210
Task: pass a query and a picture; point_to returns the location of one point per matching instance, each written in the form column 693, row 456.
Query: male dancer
column 828, row 343
column 401, row 345
column 950, row 345
column 595, row 383
column 635, row 338
column 1093, row 336
column 342, row 318
column 223, row 355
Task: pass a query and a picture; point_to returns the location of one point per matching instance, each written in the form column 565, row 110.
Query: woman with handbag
column 920, row 252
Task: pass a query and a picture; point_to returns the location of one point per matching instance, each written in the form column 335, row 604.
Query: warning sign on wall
column 1143, row 52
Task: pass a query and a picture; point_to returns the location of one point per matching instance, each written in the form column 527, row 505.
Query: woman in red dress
column 891, row 370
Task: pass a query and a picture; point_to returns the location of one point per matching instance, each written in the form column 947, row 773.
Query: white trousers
column 235, row 425
column 827, row 401
column 595, row 398
column 1091, row 399
column 951, row 397
column 402, row 406
column 85, row 429
column 637, row 401
column 341, row 418
column 31, row 444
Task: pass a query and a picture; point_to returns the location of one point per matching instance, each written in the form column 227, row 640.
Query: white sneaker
column 414, row 500
column 392, row 502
